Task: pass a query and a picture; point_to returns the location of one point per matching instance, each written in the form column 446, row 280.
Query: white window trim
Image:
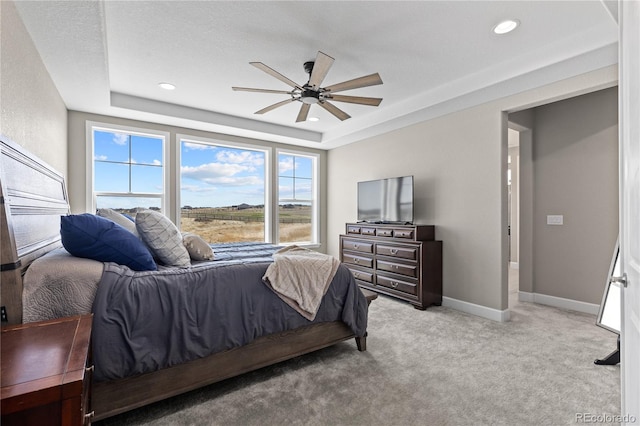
column 90, row 199
column 269, row 233
column 315, row 194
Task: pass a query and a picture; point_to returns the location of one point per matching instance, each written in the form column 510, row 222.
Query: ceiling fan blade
column 274, row 106
column 320, row 69
column 334, row 110
column 276, row 74
column 304, row 112
column 249, row 89
column 368, row 80
column 356, row 100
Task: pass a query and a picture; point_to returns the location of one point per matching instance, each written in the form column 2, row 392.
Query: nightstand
column 46, row 372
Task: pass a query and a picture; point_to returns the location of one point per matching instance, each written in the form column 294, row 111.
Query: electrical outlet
column 3, row 314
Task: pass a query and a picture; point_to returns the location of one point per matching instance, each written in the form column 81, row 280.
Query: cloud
column 221, row 173
column 285, row 165
column 197, row 146
column 157, row 163
column 120, row 138
column 196, row 188
column 241, row 157
column 100, row 157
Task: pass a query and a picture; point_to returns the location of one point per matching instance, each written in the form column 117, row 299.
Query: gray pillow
column 197, row 247
column 163, row 238
column 120, row 219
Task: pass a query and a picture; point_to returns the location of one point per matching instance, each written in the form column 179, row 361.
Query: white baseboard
column 524, row 296
column 559, row 302
column 479, row 310
column 514, row 265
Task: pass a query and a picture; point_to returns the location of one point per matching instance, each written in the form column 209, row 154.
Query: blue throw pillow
column 98, row 238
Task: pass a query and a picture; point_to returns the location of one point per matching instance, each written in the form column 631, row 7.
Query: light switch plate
column 555, row 219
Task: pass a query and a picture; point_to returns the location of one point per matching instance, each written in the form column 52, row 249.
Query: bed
column 34, row 198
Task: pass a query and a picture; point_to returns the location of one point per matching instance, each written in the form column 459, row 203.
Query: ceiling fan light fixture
column 309, row 96
column 167, row 86
column 313, row 119
column 506, row 26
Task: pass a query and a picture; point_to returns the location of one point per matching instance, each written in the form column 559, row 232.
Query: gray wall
column 32, row 112
column 575, row 169
column 459, row 163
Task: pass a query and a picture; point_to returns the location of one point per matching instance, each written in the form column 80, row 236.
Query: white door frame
column 629, row 128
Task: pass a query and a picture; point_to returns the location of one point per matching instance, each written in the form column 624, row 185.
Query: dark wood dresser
column 403, row 261
column 46, row 373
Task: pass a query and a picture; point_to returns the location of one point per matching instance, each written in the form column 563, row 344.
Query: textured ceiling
column 108, row 57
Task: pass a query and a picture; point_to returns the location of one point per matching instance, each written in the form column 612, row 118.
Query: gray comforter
column 145, row 321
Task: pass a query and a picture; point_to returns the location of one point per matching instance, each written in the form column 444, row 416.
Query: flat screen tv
column 387, row 200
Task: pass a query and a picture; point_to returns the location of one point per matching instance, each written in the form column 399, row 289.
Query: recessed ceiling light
column 167, row 86
column 506, row 26
column 313, row 119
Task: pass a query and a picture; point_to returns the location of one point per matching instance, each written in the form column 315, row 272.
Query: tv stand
column 402, row 261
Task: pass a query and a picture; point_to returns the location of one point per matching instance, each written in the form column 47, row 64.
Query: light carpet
column 433, row 367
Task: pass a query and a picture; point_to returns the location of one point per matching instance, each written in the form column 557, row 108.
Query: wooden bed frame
column 33, row 196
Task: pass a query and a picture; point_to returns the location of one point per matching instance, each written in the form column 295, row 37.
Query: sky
column 210, row 176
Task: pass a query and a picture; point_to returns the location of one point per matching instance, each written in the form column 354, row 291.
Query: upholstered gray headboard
column 33, row 196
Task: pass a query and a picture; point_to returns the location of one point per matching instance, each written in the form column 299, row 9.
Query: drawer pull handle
column 90, row 415
column 355, row 274
column 355, row 246
column 395, row 266
column 89, row 369
column 356, row 260
column 394, row 251
column 394, row 284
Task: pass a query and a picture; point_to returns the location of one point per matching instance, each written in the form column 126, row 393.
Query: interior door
column 629, row 111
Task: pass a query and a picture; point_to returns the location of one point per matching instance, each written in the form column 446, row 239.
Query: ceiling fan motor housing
column 309, row 95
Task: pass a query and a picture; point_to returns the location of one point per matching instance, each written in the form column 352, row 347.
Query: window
column 128, row 169
column 223, row 191
column 297, row 214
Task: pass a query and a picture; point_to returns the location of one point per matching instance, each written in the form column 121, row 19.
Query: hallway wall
column 573, row 164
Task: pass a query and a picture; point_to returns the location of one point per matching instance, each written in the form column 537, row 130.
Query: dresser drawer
column 353, row 229
column 362, row 247
column 368, row 231
column 361, row 275
column 396, row 251
column 367, row 262
column 385, row 232
column 403, row 233
column 398, row 285
column 398, row 268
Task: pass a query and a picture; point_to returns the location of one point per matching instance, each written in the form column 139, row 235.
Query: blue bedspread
column 145, row 321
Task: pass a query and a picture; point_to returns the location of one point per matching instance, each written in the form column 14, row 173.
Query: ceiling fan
column 311, row 92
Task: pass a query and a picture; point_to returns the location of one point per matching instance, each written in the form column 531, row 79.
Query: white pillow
column 163, row 238
column 120, row 219
column 197, row 247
